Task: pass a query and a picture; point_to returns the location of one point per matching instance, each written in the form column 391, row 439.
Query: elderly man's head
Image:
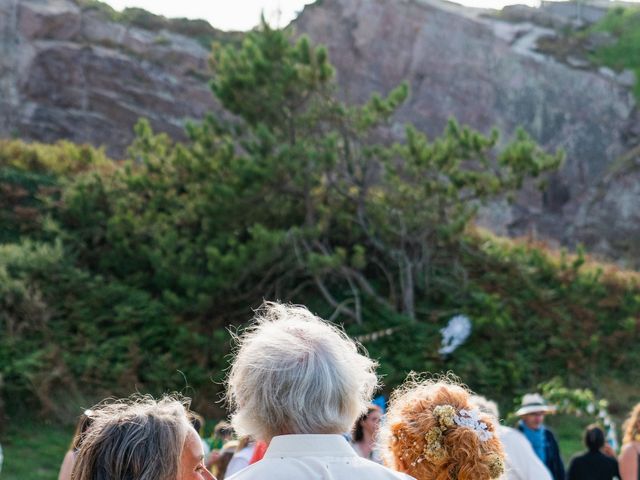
column 297, row 374
column 533, row 410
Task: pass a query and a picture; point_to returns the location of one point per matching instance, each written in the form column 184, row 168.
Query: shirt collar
column 538, row 431
column 316, row 445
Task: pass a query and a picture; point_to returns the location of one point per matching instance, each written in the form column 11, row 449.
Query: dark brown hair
column 357, row 434
column 84, row 422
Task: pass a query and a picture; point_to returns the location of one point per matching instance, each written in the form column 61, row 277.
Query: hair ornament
column 496, row 466
column 434, row 450
column 446, row 415
column 471, row 419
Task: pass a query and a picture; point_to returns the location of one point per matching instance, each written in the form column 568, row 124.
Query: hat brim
column 535, row 409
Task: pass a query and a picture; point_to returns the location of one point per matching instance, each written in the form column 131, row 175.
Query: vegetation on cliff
column 199, row 30
column 612, row 42
column 624, row 52
column 126, row 275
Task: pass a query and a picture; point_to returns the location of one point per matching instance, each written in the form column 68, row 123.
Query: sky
column 245, row 14
column 222, row 14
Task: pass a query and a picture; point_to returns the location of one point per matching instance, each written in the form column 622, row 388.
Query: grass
column 34, row 451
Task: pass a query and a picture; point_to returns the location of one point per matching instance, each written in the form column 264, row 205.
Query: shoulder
column 293, row 469
column 610, row 460
column 578, row 458
column 629, row 449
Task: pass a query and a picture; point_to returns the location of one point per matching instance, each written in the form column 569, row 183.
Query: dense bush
column 30, row 178
column 133, row 270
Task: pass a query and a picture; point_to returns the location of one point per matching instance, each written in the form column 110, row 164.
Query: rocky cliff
column 70, row 72
column 487, row 72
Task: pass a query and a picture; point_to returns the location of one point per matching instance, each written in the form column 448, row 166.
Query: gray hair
column 486, row 406
column 295, row 373
column 137, row 437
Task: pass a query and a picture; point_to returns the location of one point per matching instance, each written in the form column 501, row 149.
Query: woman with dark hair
column 364, row 434
column 593, row 464
column 219, row 466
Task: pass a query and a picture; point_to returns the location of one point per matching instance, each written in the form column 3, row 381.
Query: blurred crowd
column 300, row 392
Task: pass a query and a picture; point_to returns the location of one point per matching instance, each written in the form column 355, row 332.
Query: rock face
column 486, row 73
column 69, row 73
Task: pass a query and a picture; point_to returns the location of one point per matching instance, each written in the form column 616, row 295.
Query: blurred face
column 533, row 420
column 372, row 422
column 192, row 459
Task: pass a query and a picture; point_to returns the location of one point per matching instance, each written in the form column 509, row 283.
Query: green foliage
column 624, row 53
column 67, row 333
column 136, row 269
column 399, row 201
column 173, row 222
column 559, row 310
column 576, row 401
column 61, row 158
column 30, row 176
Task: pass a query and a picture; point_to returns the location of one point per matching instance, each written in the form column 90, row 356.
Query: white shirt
column 522, row 463
column 315, row 457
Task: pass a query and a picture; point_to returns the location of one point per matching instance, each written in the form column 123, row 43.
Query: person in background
column 532, row 412
column 143, row 439
column 221, row 443
column 241, row 456
column 630, row 454
column 365, row 432
column 521, row 461
column 298, row 382
column 222, row 433
column 83, row 423
column 593, row 464
column 219, row 466
column 432, row 431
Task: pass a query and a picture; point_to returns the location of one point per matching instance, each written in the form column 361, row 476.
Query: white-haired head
column 294, row 373
column 486, row 406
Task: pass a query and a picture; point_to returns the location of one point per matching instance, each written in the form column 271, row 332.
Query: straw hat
column 533, row 402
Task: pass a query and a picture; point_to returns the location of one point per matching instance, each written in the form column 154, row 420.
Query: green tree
column 299, row 191
column 371, row 202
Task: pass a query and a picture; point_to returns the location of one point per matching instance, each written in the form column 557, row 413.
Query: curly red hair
column 416, row 442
